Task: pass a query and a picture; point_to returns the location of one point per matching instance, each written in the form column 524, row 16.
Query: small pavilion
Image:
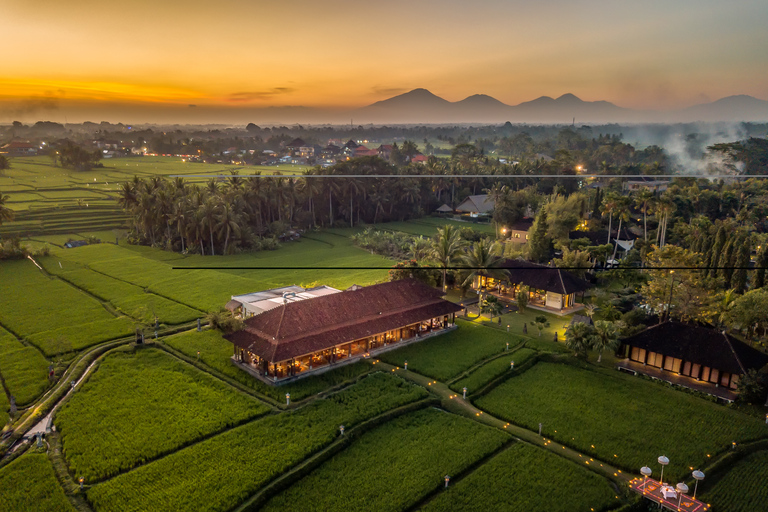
column 550, row 288
column 309, row 336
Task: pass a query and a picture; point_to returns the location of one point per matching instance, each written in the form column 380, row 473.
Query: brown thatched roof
column 700, row 345
column 300, row 328
column 543, row 277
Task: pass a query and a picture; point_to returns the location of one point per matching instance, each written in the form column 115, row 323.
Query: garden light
column 512, row 365
column 465, row 393
column 447, row 479
column 341, row 429
column 646, row 472
column 697, row 475
column 287, row 399
column 663, row 461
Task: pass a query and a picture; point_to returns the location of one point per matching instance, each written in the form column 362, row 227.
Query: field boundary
column 312, row 462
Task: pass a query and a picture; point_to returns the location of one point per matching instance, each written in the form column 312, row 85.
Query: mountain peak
column 412, row 97
column 569, row 98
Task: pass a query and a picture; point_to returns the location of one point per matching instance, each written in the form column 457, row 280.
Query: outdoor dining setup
column 668, row 496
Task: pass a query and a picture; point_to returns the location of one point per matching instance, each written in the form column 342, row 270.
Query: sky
column 150, row 60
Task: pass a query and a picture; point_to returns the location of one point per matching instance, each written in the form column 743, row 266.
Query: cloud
column 388, row 91
column 237, row 97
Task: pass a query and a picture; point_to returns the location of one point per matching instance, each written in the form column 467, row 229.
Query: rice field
column 29, row 484
column 139, row 406
column 24, row 369
column 394, row 466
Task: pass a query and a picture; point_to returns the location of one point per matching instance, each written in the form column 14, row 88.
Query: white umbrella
column 663, row 461
column 698, row 475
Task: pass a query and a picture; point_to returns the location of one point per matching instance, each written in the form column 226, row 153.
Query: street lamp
column 698, row 475
column 646, row 472
column 663, row 461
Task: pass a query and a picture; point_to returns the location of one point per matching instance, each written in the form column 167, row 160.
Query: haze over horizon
column 208, row 62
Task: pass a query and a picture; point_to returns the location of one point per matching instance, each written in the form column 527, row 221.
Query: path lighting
column 681, row 489
column 663, row 461
column 646, row 472
column 406, row 365
column 287, row 399
column 512, row 365
column 82, row 481
column 447, row 479
column 507, row 342
column 507, row 331
column 698, row 475
column 341, row 429
column 465, row 393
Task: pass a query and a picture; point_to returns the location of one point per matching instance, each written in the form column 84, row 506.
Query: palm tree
column 6, row 214
column 353, row 187
column 228, row 221
column 483, row 259
column 311, row 187
column 420, row 248
column 179, row 217
column 578, row 337
column 447, row 249
column 606, row 337
column 609, row 207
column 209, row 213
column 644, row 199
column 499, row 195
column 491, row 305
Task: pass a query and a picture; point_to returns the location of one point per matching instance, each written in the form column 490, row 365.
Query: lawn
column 524, row 478
column 216, row 352
column 618, row 418
column 743, row 488
column 29, row 484
column 423, row 447
column 492, row 369
column 139, row 406
column 24, row 369
column 447, row 355
column 223, row 471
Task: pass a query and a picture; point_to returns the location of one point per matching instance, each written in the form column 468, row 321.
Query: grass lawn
column 138, row 406
column 618, row 418
column 29, row 484
column 221, row 472
column 216, row 352
column 492, row 369
column 524, row 478
column 24, row 369
column 743, row 488
column 447, row 355
column 394, row 466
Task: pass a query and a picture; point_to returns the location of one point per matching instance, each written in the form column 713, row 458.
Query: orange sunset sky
column 149, row 60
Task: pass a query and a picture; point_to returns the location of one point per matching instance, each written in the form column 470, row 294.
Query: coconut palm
column 578, row 337
column 447, row 250
column 644, row 200
column 609, row 207
column 227, row 221
column 606, row 337
column 209, row 212
column 483, row 260
column 622, row 212
column 492, row 305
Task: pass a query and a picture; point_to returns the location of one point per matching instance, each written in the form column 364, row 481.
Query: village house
column 518, row 231
column 18, row 148
column 476, row 205
column 303, row 337
column 692, row 356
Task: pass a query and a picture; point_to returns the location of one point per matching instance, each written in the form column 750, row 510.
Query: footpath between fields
column 454, row 402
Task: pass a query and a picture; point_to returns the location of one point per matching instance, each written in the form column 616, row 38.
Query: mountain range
column 421, row 106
